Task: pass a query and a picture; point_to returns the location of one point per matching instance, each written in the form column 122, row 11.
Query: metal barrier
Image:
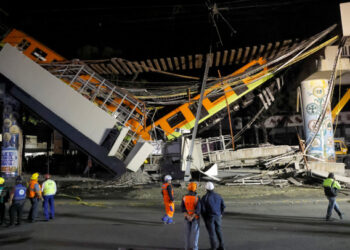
column 120, row 104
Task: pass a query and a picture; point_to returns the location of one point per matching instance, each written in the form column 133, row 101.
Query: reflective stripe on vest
column 2, row 194
column 165, row 191
column 49, row 187
column 20, row 192
column 190, row 202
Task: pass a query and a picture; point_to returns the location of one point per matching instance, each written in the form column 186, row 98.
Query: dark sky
column 165, row 28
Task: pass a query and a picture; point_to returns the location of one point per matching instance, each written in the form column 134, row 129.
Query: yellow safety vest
column 49, row 187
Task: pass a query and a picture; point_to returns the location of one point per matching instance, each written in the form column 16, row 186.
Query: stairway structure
column 78, row 103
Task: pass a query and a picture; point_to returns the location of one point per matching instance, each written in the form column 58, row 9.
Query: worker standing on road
column 191, row 207
column 331, row 187
column 3, row 199
column 49, row 190
column 17, row 200
column 34, row 195
column 168, row 197
column 212, row 209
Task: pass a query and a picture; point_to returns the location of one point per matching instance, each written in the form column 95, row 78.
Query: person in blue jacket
column 212, row 209
column 16, row 201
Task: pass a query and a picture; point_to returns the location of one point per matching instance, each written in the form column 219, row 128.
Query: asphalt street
column 127, row 224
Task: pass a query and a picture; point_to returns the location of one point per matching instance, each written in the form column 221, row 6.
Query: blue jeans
column 34, row 209
column 191, row 234
column 49, row 201
column 213, row 225
column 332, row 205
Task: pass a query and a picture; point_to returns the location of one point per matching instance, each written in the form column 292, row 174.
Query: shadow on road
column 310, row 221
column 70, row 244
column 8, row 238
column 119, row 221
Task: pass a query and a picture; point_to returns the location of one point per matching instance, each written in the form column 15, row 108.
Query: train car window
column 194, row 106
column 240, row 89
column 38, row 53
column 213, row 97
column 158, row 133
column 176, row 119
column 23, row 45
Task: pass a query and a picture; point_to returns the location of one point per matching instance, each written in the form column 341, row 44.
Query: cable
column 339, row 94
column 269, row 72
column 328, row 97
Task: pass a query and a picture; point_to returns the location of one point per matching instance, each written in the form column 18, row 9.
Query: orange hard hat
column 192, row 186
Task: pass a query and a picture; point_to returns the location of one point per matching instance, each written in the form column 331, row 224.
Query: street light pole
column 194, row 134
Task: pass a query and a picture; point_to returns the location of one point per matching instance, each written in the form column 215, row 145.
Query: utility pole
column 189, row 158
column 194, row 133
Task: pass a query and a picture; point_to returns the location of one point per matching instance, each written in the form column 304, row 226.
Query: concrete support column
column 11, row 151
column 313, row 97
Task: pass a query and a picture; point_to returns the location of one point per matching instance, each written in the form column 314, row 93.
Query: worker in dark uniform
column 4, row 194
column 331, row 187
column 213, row 206
column 168, row 198
column 17, row 200
column 191, row 208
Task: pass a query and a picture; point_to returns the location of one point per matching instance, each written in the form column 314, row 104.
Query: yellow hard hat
column 35, row 176
column 2, row 180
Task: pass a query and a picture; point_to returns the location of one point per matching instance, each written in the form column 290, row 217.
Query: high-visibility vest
column 328, row 183
column 31, row 191
column 331, row 187
column 165, row 192
column 191, row 202
column 49, row 187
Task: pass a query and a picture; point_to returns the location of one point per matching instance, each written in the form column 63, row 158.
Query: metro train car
column 184, row 116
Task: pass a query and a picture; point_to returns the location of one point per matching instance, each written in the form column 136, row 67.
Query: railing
column 117, row 102
column 214, row 144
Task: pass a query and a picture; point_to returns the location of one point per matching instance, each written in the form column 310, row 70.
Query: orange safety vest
column 31, row 191
column 191, row 202
column 165, row 192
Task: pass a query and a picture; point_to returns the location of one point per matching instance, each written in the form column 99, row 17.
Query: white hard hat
column 209, row 186
column 167, row 177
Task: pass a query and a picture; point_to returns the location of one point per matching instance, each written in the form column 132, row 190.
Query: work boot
column 328, row 218
column 340, row 216
column 170, row 221
column 165, row 219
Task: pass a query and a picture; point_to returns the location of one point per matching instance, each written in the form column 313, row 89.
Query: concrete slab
column 335, row 167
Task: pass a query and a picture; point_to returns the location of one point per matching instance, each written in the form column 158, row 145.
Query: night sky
column 165, row 28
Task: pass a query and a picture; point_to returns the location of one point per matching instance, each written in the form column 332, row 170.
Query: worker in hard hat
column 168, row 197
column 17, row 200
column 49, row 190
column 34, row 195
column 191, row 208
column 4, row 194
column 212, row 206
